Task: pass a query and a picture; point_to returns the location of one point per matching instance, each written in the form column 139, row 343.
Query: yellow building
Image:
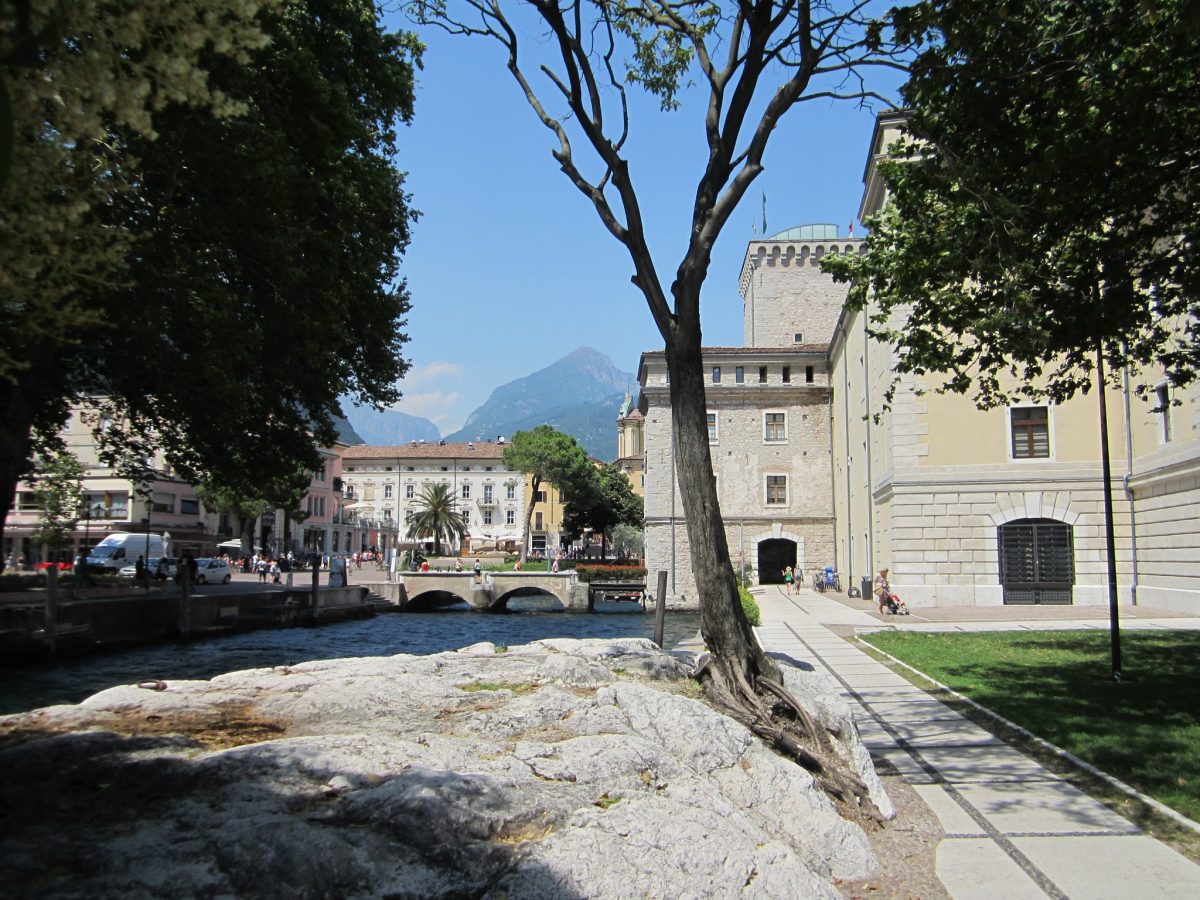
column 971, row 507
column 631, row 445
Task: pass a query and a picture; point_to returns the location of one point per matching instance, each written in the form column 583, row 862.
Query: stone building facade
column 769, row 423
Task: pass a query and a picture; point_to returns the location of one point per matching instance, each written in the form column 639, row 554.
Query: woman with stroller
column 887, row 600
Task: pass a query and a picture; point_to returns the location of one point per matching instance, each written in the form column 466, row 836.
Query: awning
column 359, row 505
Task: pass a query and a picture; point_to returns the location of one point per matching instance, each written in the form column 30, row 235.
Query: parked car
column 212, row 571
column 170, row 566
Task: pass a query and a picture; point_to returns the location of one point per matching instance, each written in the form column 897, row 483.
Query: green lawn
column 1144, row 730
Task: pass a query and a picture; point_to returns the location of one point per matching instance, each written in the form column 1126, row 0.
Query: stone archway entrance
column 774, row 555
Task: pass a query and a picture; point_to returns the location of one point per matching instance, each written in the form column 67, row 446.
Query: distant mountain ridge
column 579, row 395
column 390, row 426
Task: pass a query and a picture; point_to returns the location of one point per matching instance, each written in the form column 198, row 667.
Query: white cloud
column 439, row 407
column 434, row 372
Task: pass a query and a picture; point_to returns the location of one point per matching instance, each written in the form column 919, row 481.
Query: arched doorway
column 1037, row 561
column 774, row 555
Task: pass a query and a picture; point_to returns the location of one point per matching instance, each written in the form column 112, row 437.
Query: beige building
column 965, row 507
column 631, row 445
column 165, row 505
column 1005, row 507
column 383, row 484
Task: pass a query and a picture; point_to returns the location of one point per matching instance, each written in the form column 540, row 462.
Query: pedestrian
column 554, row 565
column 424, row 565
column 458, row 565
column 193, row 567
column 139, row 570
column 788, row 579
column 10, row 564
column 260, row 568
column 478, row 569
column 882, row 589
column 274, row 571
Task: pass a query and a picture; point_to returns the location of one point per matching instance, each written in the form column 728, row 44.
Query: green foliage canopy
column 254, row 280
column 1044, row 206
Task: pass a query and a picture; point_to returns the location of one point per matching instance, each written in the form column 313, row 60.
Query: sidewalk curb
column 1178, row 817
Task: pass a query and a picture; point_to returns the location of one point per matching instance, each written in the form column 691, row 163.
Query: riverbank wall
column 92, row 624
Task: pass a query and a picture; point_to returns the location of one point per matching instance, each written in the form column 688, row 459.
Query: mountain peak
column 579, row 394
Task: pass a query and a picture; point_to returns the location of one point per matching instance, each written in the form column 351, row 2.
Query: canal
column 72, row 680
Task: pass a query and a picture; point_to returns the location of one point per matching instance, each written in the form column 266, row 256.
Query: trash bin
column 867, row 586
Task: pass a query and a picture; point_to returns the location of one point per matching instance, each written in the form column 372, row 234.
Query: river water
column 385, row 635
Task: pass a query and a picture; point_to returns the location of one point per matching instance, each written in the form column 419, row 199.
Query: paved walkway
column 1013, row 829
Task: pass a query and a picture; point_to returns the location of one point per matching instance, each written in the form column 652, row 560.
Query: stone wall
column 785, row 293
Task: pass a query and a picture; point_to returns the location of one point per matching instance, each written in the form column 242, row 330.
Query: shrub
column 749, row 607
column 611, row 573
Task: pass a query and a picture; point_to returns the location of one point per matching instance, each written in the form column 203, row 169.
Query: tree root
column 743, row 703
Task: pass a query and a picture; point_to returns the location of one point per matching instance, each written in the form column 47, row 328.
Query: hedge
column 611, row 573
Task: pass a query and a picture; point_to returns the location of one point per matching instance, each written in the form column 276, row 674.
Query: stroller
column 895, row 605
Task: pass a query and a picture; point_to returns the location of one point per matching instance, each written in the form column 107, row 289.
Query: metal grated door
column 1037, row 563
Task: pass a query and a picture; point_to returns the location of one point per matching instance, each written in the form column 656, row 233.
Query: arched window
column 1037, row 561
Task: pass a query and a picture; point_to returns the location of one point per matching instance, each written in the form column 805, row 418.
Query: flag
column 764, row 213
column 851, row 229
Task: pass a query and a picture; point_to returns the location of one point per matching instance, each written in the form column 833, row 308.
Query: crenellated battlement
column 793, row 254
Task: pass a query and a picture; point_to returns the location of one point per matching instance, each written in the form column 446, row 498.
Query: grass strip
column 1144, row 730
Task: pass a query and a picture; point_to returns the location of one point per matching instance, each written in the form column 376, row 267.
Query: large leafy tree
column 750, row 64
column 437, row 517
column 549, row 456
column 1043, row 214
column 605, row 501
column 259, row 280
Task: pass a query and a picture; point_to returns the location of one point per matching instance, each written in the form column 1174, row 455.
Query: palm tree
column 436, row 517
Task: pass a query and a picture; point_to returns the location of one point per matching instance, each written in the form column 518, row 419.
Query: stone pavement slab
column 1013, row 828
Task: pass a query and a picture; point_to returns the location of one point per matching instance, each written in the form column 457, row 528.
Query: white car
column 170, row 565
column 212, row 571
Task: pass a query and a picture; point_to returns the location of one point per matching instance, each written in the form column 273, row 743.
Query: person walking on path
column 478, row 569
column 882, row 589
column 788, row 579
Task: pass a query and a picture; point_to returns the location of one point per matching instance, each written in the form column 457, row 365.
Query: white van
column 122, row 548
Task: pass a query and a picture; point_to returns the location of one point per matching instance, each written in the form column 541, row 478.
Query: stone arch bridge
column 428, row 590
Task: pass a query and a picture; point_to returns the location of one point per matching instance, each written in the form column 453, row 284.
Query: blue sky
column 510, row 268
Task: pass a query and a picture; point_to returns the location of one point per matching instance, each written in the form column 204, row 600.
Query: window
column 320, row 506
column 163, row 503
column 797, row 338
column 776, row 490
column 189, row 506
column 510, row 517
column 466, row 492
column 762, row 374
column 487, row 517
column 537, row 521
column 716, row 374
column 368, row 492
column 712, row 428
column 1030, row 432
column 1162, row 395
column 808, row 374
column 739, row 375
column 410, row 491
column 787, row 375
column 445, row 468
column 487, row 494
column 775, row 427
column 387, row 492
column 510, row 492
column 539, row 497
column 408, row 514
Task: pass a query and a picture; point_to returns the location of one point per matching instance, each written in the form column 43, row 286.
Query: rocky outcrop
column 558, row 769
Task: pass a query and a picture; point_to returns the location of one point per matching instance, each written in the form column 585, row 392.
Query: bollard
column 316, row 589
column 50, row 628
column 185, row 599
column 660, row 608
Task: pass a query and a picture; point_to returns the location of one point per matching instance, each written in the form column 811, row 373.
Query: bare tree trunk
column 737, row 656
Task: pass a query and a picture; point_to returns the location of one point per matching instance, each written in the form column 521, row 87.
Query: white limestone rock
column 559, row 768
